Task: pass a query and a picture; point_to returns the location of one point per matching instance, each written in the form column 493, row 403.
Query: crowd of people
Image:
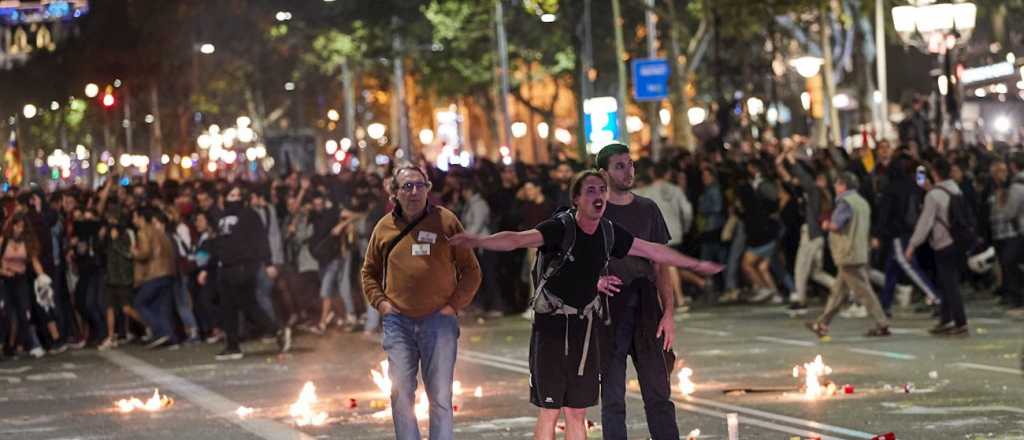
column 155, row 262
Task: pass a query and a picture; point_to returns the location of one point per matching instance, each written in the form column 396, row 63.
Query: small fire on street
column 303, row 411
column 155, row 403
column 816, row 383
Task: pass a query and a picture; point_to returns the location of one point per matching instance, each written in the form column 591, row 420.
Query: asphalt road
column 963, row 388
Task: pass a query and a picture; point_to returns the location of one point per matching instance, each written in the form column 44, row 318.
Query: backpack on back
column 962, row 224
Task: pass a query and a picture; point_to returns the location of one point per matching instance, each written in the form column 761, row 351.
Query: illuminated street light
column 548, row 18
column 333, row 115
column 91, row 90
column 283, row 16
column 519, row 129
column 807, row 66
column 29, row 111
column 543, row 129
column 426, row 136
column 207, row 49
column 696, row 115
column 289, row 86
column 376, row 130
column 54, row 105
column 1002, row 124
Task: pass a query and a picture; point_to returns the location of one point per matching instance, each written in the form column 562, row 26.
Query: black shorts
column 118, row 296
column 554, row 382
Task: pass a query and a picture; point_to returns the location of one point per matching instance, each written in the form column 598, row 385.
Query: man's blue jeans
column 153, row 301
column 429, row 343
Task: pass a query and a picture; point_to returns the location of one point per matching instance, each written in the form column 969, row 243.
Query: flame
column 693, row 435
column 244, row 411
column 302, row 410
column 685, row 384
column 456, row 388
column 478, row 392
column 155, row 403
column 381, row 378
column 814, row 373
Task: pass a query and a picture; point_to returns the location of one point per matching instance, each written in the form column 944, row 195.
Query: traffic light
column 108, row 97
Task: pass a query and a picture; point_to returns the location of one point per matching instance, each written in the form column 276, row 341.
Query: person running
column 564, row 360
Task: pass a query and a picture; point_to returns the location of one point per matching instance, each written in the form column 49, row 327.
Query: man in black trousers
column 641, row 326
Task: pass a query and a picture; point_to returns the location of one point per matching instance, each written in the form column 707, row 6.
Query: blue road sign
column 650, row 79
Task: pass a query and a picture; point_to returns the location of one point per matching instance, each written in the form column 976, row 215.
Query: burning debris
column 693, row 435
column 815, row 382
column 244, row 412
column 422, row 407
column 155, row 403
column 685, row 384
column 303, row 412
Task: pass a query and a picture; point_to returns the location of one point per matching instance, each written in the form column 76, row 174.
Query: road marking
column 785, row 341
column 18, row 370
column 990, row 321
column 704, row 331
column 11, row 379
column 974, row 366
column 215, row 403
column 42, row 377
column 887, row 354
column 691, row 403
column 907, row 331
column 950, row 410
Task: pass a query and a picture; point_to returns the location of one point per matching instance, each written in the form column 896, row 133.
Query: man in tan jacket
column 848, row 239
column 154, row 267
column 418, row 282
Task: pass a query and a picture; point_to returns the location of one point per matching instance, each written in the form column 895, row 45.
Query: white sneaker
column 855, row 311
column 528, row 314
column 761, row 296
column 37, row 352
column 777, row 299
column 107, row 344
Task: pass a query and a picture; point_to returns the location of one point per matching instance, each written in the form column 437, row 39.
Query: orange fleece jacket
column 418, row 285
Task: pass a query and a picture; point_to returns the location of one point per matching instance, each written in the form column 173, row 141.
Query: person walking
column 418, row 281
column 934, row 225
column 848, row 239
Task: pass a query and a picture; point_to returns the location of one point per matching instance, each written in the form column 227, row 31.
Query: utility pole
column 506, row 122
column 883, row 83
column 586, row 65
column 830, row 85
column 399, row 79
column 620, row 55
column 653, row 119
column 349, row 90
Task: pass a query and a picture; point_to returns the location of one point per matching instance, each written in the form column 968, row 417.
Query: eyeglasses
column 409, row 186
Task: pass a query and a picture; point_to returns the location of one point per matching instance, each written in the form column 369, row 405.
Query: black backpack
column 549, row 263
column 962, row 223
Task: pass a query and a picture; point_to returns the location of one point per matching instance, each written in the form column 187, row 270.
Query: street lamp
column 91, row 90
column 207, row 49
column 807, row 66
column 937, row 29
column 29, row 111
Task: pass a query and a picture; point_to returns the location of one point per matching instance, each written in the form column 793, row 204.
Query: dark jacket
column 119, row 260
column 898, row 205
column 241, row 239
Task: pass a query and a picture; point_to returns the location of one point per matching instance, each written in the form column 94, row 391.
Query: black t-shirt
column 576, row 282
column 643, row 219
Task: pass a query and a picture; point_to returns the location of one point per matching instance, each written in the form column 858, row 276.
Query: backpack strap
column 544, row 269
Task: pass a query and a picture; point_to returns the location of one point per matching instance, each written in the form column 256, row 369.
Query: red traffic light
column 108, row 99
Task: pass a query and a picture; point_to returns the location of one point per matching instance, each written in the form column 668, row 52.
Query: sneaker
column 284, row 339
column 157, row 343
column 37, row 352
column 128, row 338
column 730, row 296
column 903, row 295
column 77, row 345
column 878, row 332
column 940, row 328
column 798, row 306
column 327, row 319
column 761, row 296
column 192, row 340
column 817, row 328
column 59, row 348
column 777, row 299
column 215, row 338
column 107, row 344
column 230, row 354
column 959, row 330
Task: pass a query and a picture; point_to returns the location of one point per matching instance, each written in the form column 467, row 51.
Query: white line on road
column 887, row 354
column 974, row 366
column 907, row 331
column 215, row 403
column 690, row 403
column 795, row 342
column 704, row 331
